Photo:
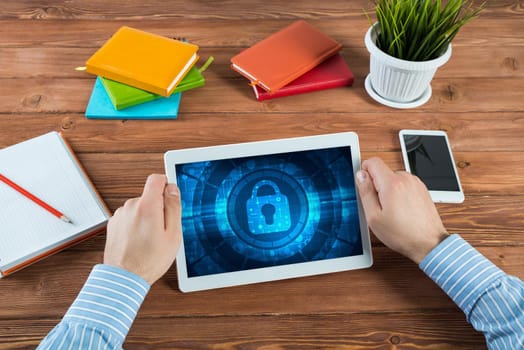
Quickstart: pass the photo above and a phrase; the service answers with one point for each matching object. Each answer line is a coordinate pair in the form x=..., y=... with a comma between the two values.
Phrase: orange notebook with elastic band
x=143, y=60
x=285, y=55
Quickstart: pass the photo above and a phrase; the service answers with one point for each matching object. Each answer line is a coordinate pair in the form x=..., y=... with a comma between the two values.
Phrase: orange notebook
x=285, y=55
x=144, y=60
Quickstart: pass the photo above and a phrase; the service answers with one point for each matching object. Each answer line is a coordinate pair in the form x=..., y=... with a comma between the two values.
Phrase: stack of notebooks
x=141, y=76
x=294, y=60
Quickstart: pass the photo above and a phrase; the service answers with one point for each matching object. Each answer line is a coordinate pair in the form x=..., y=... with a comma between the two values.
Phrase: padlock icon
x=268, y=213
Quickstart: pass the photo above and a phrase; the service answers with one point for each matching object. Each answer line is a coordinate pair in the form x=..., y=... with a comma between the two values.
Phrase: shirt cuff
x=109, y=300
x=460, y=270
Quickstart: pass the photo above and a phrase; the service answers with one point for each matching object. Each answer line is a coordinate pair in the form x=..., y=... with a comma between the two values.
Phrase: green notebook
x=124, y=96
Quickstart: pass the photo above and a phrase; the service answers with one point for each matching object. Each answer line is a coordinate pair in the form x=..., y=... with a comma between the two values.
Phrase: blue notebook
x=100, y=107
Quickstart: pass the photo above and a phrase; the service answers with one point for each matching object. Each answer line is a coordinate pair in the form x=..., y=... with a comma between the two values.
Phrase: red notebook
x=285, y=55
x=332, y=73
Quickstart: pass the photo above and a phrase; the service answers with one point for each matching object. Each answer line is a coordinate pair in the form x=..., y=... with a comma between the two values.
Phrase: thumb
x=368, y=194
x=172, y=210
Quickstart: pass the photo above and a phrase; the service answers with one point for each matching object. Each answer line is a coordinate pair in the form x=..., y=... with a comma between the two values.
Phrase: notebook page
x=44, y=167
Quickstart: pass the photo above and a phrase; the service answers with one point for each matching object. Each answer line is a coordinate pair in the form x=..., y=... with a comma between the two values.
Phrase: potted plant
x=409, y=41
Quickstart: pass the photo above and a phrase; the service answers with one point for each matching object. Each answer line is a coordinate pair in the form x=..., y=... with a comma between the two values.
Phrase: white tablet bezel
x=192, y=155
x=436, y=196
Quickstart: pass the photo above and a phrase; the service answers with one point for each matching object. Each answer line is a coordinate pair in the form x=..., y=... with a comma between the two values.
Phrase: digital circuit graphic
x=261, y=211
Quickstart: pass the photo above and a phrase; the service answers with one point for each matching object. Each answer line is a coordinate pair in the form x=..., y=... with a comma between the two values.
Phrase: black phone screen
x=430, y=159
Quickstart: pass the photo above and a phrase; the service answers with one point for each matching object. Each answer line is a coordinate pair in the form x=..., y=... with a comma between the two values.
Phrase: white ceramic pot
x=399, y=83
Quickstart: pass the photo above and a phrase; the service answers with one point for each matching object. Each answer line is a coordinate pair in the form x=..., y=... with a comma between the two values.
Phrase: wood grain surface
x=478, y=98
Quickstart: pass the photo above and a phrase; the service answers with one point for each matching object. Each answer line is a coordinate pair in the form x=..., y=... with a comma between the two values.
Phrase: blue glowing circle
x=298, y=205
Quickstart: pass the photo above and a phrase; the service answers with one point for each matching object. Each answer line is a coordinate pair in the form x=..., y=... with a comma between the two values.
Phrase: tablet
x=269, y=210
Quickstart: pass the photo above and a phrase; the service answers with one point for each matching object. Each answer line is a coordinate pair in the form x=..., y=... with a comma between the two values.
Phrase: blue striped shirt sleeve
x=492, y=301
x=103, y=312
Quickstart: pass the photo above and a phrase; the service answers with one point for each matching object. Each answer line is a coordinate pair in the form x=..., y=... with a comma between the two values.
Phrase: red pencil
x=35, y=199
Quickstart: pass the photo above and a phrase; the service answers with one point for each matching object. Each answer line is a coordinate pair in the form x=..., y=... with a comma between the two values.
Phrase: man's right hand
x=144, y=235
x=399, y=210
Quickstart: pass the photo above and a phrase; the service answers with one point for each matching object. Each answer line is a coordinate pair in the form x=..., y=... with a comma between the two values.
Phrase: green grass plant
x=420, y=30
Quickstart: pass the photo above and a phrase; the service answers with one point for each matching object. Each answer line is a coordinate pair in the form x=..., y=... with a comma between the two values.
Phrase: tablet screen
x=269, y=210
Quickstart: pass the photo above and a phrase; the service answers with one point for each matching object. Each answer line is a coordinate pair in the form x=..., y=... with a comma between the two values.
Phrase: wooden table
x=478, y=98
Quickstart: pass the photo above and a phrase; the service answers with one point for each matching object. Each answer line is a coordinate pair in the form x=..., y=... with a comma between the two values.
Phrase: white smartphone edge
x=436, y=196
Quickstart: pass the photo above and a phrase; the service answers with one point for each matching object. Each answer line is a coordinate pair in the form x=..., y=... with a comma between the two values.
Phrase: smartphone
x=427, y=154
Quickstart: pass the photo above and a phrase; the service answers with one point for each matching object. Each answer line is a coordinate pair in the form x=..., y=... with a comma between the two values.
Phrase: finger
x=153, y=194
x=368, y=195
x=130, y=203
x=117, y=211
x=172, y=207
x=172, y=211
x=380, y=173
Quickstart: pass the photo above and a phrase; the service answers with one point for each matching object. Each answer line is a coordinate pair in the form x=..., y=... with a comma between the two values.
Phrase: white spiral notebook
x=46, y=167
